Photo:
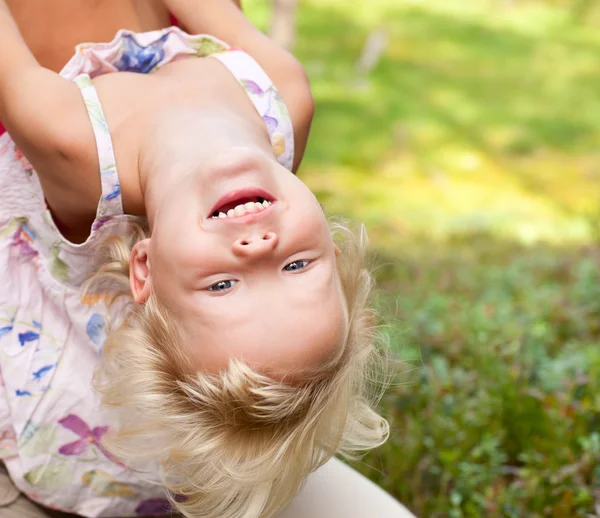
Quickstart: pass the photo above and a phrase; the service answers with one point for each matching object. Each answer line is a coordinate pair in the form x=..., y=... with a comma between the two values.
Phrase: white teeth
x=243, y=209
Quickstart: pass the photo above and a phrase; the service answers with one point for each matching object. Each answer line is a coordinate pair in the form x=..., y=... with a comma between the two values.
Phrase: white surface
x=337, y=491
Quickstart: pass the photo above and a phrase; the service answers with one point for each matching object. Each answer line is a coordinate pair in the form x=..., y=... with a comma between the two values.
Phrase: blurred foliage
x=472, y=152
x=498, y=414
x=477, y=117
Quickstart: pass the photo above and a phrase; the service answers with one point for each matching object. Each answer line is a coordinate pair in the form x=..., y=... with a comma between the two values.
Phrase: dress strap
x=266, y=99
x=110, y=202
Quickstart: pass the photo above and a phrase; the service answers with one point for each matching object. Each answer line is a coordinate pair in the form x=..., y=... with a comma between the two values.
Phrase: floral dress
x=51, y=422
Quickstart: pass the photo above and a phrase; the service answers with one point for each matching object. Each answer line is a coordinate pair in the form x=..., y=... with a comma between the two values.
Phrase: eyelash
x=233, y=281
x=306, y=263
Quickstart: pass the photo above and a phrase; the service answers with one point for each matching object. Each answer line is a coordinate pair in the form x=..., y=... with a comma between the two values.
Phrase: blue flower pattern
x=141, y=58
x=28, y=336
x=41, y=372
x=95, y=329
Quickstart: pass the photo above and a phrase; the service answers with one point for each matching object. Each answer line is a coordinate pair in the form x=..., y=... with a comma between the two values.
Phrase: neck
x=193, y=143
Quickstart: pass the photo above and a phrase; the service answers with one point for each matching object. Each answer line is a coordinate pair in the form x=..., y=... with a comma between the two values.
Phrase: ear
x=139, y=272
x=338, y=252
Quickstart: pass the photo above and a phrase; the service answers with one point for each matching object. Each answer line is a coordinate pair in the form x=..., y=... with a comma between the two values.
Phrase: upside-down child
x=160, y=165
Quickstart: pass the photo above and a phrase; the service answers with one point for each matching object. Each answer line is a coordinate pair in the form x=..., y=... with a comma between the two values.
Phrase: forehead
x=279, y=333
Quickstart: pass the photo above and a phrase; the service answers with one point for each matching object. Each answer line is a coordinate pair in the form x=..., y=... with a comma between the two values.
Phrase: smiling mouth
x=241, y=203
x=232, y=210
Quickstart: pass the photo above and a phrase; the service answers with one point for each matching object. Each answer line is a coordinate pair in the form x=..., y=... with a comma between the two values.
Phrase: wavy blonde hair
x=238, y=444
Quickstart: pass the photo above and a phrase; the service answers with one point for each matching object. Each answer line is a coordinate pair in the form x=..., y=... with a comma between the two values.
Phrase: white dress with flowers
x=51, y=423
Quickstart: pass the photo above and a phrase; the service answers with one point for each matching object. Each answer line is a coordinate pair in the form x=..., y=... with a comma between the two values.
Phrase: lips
x=241, y=202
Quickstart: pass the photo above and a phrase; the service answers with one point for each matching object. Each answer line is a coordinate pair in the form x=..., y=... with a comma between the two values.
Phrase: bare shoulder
x=290, y=78
x=293, y=83
x=224, y=20
x=131, y=103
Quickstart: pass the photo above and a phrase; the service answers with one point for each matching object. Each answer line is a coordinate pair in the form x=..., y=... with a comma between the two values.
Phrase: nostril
x=244, y=242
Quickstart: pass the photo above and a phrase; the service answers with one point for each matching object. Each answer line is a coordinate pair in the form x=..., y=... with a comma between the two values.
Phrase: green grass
x=471, y=151
x=498, y=413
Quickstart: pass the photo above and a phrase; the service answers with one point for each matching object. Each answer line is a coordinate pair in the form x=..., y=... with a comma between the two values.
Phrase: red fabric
x=173, y=21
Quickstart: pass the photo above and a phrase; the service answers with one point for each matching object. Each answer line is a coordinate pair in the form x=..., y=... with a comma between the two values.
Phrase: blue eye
x=222, y=285
x=296, y=265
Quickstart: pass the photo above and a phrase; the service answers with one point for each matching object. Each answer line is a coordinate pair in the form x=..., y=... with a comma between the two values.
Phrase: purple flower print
x=271, y=123
x=153, y=507
x=88, y=437
x=22, y=239
x=251, y=87
x=99, y=222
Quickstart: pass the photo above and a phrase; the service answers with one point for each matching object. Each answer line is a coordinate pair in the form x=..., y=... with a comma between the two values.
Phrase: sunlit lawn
x=472, y=152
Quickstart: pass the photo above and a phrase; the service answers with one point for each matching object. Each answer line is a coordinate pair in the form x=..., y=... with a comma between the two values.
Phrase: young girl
x=241, y=366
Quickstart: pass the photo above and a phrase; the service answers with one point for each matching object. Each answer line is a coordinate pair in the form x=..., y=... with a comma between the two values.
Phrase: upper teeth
x=243, y=208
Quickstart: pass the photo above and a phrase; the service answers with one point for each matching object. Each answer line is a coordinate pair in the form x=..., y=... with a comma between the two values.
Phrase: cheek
x=314, y=228
x=172, y=251
x=187, y=249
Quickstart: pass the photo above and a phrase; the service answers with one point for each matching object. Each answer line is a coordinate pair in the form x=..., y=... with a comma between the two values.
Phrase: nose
x=256, y=245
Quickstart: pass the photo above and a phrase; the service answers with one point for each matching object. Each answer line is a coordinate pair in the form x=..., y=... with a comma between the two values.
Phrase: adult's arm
x=40, y=109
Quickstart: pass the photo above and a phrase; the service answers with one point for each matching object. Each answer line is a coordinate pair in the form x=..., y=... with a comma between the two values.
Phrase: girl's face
x=256, y=282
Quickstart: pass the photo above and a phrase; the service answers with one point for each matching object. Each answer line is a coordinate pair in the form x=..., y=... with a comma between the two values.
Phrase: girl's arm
x=40, y=110
x=224, y=20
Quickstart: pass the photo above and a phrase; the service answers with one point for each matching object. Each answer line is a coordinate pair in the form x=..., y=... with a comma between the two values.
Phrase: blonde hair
x=238, y=444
